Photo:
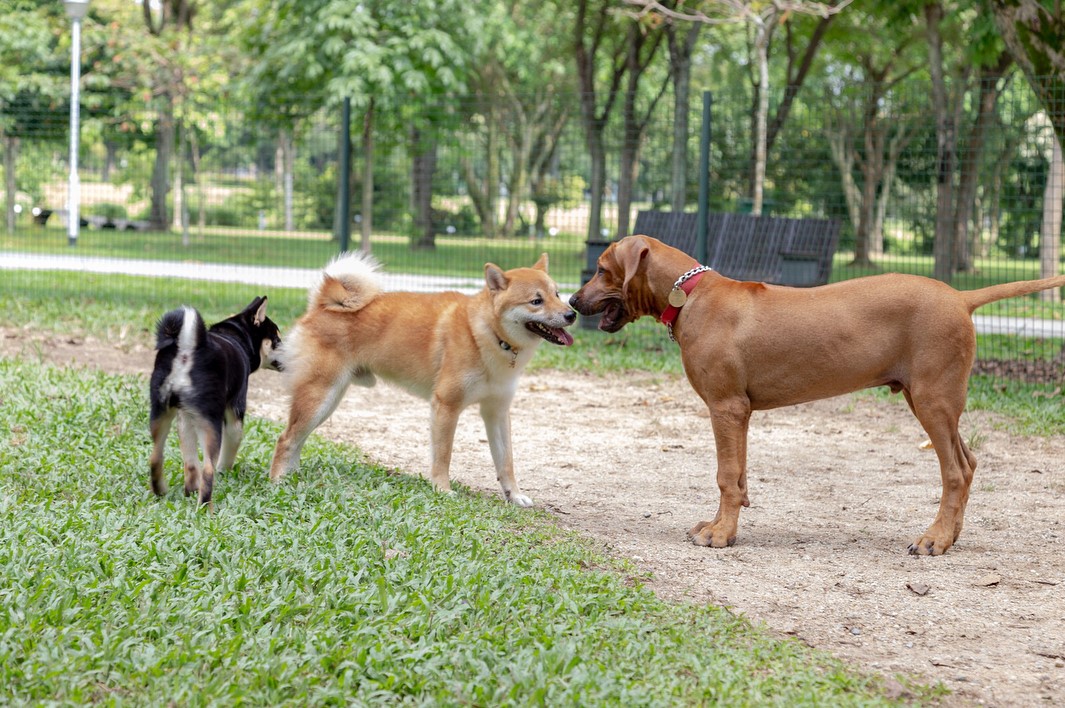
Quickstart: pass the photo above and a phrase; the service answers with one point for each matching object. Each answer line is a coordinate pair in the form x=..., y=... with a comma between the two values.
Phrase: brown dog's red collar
x=679, y=294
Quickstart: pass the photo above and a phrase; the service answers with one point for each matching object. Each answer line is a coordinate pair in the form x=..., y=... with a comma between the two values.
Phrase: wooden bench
x=771, y=249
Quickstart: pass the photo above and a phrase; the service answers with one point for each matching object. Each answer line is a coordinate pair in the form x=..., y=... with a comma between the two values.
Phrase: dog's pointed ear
x=257, y=308
x=542, y=263
x=631, y=253
x=495, y=278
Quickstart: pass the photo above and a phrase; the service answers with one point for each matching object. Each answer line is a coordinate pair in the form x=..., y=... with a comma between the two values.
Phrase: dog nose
x=571, y=317
x=573, y=300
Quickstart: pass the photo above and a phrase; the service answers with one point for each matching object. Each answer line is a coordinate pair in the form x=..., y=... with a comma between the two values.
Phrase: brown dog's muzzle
x=588, y=302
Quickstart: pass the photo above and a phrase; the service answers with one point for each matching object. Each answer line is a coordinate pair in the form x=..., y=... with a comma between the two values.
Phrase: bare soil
x=838, y=489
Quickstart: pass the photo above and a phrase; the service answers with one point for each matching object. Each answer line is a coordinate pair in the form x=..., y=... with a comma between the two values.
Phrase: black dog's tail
x=182, y=327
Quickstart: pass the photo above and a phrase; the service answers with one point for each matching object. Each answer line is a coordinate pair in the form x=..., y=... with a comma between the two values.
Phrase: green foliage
x=344, y=584
x=566, y=191
x=109, y=211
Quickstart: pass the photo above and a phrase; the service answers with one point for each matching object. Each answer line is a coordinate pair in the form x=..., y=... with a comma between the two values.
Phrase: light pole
x=76, y=10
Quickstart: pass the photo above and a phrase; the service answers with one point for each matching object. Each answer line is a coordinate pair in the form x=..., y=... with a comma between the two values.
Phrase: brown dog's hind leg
x=730, y=422
x=939, y=415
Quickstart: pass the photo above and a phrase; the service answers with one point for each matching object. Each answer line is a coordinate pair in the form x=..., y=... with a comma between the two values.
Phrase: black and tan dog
x=201, y=377
x=753, y=346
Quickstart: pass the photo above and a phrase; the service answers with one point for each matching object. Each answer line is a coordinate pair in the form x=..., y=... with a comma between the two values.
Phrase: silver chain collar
x=684, y=278
x=676, y=286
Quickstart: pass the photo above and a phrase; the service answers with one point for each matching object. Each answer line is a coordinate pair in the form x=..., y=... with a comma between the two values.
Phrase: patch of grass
x=459, y=256
x=343, y=585
x=1028, y=409
x=100, y=305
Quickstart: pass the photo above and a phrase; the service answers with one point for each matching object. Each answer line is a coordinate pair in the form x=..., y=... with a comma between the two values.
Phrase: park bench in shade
x=771, y=249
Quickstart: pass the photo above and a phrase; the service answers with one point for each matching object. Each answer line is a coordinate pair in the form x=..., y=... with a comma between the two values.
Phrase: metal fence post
x=701, y=237
x=344, y=179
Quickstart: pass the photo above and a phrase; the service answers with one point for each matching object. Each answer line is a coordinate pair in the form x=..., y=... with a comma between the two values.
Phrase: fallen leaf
x=989, y=580
x=918, y=588
x=926, y=445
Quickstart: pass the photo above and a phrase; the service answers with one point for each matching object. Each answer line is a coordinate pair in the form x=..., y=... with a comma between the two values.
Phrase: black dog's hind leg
x=232, y=435
x=188, y=433
x=160, y=423
x=211, y=438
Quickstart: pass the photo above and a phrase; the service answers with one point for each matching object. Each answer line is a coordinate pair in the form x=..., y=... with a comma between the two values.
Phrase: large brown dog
x=454, y=349
x=752, y=346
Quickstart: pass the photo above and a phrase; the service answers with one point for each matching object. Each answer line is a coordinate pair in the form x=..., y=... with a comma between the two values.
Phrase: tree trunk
x=887, y=180
x=946, y=144
x=366, y=225
x=518, y=184
x=181, y=211
x=680, y=63
x=179, y=186
x=286, y=146
x=201, y=188
x=10, y=182
x=843, y=155
x=642, y=47
x=872, y=169
x=164, y=148
x=423, y=165
x=989, y=91
x=110, y=157
x=1050, y=235
x=629, y=162
x=593, y=121
x=761, y=48
x=596, y=182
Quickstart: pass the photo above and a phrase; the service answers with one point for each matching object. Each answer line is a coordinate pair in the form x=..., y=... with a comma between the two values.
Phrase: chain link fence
x=437, y=189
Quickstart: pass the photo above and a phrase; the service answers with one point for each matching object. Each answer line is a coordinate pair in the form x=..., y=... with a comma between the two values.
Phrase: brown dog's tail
x=348, y=283
x=983, y=296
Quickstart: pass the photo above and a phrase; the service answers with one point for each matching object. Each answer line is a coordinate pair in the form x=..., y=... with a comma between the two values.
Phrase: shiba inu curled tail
x=454, y=350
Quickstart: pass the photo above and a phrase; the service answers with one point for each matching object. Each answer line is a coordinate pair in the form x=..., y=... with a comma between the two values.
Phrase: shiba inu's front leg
x=445, y=415
x=496, y=416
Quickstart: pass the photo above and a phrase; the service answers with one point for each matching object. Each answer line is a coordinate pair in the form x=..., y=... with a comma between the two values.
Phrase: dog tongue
x=566, y=337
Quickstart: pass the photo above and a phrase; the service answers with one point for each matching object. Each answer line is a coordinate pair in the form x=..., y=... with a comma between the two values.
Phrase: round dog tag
x=677, y=297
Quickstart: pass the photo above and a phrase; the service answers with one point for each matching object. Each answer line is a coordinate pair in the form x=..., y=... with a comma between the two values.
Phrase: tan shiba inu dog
x=453, y=349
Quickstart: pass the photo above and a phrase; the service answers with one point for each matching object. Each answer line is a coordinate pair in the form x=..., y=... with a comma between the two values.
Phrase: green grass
x=343, y=585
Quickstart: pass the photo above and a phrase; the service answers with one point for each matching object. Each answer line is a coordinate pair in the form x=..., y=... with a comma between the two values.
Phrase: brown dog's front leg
x=730, y=422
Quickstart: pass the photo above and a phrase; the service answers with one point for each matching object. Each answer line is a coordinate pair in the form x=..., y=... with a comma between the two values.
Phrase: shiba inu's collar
x=507, y=347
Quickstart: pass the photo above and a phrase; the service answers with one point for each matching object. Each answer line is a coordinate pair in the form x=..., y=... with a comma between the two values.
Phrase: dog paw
x=712, y=534
x=928, y=546
x=520, y=500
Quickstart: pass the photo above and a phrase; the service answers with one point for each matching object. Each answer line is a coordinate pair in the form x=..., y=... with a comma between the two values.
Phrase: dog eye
x=538, y=300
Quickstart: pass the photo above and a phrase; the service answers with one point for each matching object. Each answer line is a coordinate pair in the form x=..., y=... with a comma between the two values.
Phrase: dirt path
x=838, y=489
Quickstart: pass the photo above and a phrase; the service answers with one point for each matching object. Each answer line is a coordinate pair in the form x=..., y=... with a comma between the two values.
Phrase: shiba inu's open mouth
x=551, y=334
